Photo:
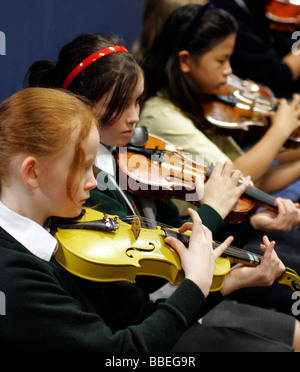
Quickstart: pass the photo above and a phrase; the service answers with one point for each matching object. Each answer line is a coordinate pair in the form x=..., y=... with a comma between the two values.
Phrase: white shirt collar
x=105, y=161
x=27, y=232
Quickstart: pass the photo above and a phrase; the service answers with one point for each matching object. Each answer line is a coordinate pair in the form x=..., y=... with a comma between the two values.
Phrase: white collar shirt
x=30, y=234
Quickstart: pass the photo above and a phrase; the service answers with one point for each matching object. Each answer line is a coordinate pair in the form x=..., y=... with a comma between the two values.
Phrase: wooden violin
x=103, y=248
x=159, y=170
x=247, y=87
x=284, y=15
x=243, y=107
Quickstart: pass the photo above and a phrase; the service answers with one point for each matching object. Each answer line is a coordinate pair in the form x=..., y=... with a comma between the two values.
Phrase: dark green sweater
x=47, y=309
x=111, y=202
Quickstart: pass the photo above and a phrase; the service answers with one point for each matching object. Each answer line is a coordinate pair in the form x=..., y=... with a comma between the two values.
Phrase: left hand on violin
x=223, y=190
x=199, y=259
x=287, y=217
x=286, y=119
x=264, y=275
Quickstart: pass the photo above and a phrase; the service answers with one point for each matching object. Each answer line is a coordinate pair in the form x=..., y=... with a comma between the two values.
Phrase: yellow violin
x=103, y=248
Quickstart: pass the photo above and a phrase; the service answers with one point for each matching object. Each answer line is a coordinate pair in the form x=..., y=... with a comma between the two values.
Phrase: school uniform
x=162, y=118
x=48, y=309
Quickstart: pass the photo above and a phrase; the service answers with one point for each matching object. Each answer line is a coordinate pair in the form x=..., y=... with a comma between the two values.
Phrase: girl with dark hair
x=116, y=128
x=119, y=70
x=115, y=86
x=197, y=63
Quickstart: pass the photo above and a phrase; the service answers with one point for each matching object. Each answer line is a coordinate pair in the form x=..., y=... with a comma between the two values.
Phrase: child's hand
x=199, y=259
x=288, y=217
x=286, y=119
x=263, y=275
x=221, y=191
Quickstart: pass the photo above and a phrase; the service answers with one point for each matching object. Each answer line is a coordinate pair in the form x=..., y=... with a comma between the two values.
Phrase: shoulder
x=14, y=256
x=158, y=110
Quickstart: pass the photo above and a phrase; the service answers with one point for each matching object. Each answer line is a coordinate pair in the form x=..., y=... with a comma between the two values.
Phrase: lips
x=128, y=133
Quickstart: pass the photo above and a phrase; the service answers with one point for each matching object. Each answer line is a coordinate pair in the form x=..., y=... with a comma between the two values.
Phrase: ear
x=184, y=58
x=29, y=171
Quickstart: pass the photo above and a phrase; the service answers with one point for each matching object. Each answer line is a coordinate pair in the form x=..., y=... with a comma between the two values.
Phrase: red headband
x=94, y=57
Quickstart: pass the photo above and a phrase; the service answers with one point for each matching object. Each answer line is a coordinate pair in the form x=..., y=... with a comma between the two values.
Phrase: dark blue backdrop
x=37, y=29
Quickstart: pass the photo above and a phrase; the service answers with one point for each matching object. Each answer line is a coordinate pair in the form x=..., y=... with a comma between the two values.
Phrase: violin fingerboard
x=175, y=234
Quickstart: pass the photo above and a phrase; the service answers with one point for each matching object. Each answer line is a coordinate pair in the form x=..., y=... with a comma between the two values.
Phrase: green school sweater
x=48, y=309
x=111, y=202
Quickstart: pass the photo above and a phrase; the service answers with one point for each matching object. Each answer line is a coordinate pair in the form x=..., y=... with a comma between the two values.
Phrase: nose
x=91, y=182
x=133, y=114
x=228, y=69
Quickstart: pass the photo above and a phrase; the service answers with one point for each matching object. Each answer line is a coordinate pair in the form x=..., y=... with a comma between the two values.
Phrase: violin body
x=167, y=172
x=163, y=173
x=117, y=251
x=243, y=107
x=247, y=87
x=122, y=253
x=284, y=14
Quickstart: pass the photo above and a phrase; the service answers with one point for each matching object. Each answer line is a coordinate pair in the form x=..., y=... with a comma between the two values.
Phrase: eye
x=139, y=100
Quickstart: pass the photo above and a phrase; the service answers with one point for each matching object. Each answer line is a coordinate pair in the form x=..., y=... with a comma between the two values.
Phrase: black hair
x=118, y=70
x=162, y=68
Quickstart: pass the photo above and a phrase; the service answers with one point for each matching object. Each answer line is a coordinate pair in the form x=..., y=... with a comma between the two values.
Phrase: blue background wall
x=38, y=29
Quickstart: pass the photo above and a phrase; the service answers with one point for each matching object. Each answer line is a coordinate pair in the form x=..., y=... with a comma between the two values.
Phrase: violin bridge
x=136, y=226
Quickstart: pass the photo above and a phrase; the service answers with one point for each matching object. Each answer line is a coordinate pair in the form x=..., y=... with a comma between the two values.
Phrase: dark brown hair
x=118, y=70
x=162, y=68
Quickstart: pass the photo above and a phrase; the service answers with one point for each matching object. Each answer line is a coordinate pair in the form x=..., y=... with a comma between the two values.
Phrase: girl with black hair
x=197, y=63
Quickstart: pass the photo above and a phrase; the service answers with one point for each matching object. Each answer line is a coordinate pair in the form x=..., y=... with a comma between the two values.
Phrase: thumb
x=176, y=244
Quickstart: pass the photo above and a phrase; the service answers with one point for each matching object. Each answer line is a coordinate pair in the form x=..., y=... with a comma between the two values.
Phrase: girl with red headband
x=114, y=84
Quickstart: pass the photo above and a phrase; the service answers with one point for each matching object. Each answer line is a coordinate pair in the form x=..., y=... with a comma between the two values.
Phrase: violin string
x=239, y=253
x=215, y=244
x=261, y=195
x=251, y=191
x=231, y=251
x=145, y=219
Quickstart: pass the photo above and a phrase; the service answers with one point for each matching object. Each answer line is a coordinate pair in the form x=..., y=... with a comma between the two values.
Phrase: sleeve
x=169, y=214
x=242, y=233
x=109, y=202
x=44, y=315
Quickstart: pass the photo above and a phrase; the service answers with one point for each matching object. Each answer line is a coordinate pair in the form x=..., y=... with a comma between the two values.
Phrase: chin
x=76, y=212
x=123, y=143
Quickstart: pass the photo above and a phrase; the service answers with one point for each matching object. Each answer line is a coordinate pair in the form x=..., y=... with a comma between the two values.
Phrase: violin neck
x=254, y=194
x=261, y=197
x=236, y=255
